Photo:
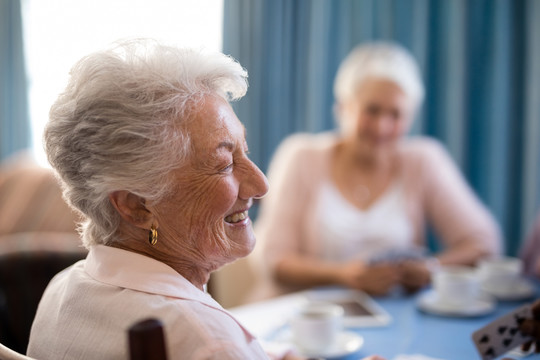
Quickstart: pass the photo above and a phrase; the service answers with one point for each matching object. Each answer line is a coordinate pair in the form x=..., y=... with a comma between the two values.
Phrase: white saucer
x=347, y=343
x=521, y=291
x=430, y=302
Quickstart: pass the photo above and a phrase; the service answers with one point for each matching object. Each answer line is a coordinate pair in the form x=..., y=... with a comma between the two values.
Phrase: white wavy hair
x=381, y=60
x=120, y=124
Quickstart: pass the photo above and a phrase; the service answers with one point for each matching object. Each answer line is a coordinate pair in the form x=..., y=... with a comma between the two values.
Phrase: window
x=59, y=32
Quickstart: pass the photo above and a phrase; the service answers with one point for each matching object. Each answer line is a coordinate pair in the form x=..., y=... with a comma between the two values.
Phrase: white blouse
x=348, y=233
x=87, y=309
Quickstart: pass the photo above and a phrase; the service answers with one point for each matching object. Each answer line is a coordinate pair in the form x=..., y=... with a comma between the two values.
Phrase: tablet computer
x=361, y=310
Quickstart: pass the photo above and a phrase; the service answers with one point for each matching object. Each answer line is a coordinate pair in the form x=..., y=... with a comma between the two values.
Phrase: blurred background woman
x=351, y=208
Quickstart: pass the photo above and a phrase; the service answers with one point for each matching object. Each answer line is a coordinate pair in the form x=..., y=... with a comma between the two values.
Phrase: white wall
x=59, y=32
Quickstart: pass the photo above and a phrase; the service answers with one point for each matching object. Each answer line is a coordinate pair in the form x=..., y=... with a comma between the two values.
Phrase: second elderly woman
x=351, y=207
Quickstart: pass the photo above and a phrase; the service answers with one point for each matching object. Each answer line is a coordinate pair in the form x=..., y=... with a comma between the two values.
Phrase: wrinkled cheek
x=213, y=229
x=207, y=220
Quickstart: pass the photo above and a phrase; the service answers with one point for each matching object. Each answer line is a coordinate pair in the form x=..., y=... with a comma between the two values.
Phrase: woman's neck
x=363, y=178
x=135, y=240
x=366, y=161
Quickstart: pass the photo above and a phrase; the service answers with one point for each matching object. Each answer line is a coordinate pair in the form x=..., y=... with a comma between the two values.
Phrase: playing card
x=502, y=335
x=397, y=255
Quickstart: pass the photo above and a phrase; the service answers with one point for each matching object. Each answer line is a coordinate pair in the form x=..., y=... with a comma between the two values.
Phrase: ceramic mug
x=457, y=286
x=500, y=274
x=316, y=326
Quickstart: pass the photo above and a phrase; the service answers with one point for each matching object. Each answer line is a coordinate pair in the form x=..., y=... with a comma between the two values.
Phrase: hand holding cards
x=503, y=334
x=396, y=256
x=412, y=264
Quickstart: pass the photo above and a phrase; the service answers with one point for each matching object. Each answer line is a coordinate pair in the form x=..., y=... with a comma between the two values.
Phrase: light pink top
x=87, y=309
x=434, y=190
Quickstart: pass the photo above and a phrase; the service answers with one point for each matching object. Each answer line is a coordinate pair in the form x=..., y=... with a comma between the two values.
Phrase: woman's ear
x=131, y=208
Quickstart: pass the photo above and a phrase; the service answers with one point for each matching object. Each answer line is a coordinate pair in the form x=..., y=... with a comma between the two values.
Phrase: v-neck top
x=347, y=232
x=87, y=309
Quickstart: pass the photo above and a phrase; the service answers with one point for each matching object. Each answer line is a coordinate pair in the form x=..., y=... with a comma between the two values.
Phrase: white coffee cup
x=457, y=286
x=500, y=274
x=316, y=326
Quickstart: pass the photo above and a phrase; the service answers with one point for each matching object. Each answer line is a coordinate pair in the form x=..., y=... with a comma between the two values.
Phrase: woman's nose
x=384, y=125
x=256, y=183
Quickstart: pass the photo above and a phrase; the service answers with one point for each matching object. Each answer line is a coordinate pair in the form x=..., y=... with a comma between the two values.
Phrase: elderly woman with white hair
x=150, y=152
x=351, y=208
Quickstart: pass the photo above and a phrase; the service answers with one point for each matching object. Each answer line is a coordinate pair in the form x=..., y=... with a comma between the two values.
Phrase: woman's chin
x=242, y=240
x=245, y=248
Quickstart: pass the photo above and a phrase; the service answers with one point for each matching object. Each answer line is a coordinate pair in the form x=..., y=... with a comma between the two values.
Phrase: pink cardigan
x=435, y=191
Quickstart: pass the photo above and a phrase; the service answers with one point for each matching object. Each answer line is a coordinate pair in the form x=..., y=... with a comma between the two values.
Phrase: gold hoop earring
x=152, y=235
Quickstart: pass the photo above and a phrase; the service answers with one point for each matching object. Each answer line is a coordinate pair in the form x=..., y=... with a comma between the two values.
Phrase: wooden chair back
x=147, y=340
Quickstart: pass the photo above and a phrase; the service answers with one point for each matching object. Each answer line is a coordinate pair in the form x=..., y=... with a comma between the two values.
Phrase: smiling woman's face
x=206, y=216
x=376, y=118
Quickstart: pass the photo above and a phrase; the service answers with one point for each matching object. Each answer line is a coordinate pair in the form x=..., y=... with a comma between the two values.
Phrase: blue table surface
x=410, y=332
x=415, y=332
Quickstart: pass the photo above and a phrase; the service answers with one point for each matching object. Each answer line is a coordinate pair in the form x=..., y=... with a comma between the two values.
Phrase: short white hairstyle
x=379, y=60
x=120, y=124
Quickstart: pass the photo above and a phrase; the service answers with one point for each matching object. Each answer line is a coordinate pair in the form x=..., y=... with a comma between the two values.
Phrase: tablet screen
x=354, y=308
x=360, y=309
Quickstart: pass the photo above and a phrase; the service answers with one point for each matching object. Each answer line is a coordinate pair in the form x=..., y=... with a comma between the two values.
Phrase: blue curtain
x=14, y=121
x=481, y=66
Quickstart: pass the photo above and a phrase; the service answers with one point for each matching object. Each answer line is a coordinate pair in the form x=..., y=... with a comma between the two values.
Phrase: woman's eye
x=227, y=168
x=372, y=110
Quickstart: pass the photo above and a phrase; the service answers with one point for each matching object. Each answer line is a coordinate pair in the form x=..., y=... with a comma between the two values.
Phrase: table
x=410, y=332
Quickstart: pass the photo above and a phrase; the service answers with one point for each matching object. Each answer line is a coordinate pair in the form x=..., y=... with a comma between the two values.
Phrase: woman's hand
x=531, y=327
x=414, y=275
x=375, y=280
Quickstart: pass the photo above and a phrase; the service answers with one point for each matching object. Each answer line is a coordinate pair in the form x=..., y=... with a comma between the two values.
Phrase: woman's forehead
x=215, y=126
x=378, y=85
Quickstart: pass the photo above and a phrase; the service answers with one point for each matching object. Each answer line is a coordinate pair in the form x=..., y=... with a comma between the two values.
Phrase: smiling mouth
x=234, y=218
